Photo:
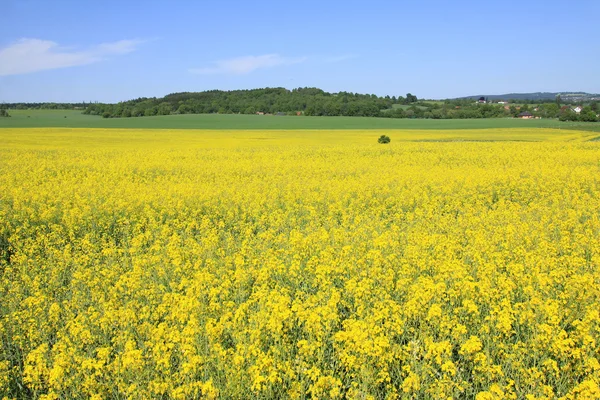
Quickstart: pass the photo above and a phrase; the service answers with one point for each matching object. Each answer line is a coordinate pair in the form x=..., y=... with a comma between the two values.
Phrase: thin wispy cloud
x=247, y=64
x=32, y=55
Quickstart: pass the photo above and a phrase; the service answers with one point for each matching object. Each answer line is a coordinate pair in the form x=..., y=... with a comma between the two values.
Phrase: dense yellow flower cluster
x=246, y=265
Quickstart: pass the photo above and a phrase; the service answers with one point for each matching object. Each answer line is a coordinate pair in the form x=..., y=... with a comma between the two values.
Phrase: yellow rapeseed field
x=300, y=264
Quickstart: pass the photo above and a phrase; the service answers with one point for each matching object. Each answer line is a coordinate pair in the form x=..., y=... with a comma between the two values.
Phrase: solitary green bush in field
x=383, y=139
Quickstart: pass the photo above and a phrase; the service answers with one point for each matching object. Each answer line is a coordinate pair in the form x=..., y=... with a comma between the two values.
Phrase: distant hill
x=565, y=96
x=265, y=101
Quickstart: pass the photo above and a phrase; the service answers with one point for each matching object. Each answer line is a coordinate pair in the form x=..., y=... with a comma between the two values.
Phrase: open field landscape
x=316, y=201
x=454, y=263
x=75, y=119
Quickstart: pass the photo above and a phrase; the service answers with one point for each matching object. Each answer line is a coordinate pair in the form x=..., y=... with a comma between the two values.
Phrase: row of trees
x=309, y=101
x=466, y=110
x=45, y=106
x=316, y=102
x=462, y=109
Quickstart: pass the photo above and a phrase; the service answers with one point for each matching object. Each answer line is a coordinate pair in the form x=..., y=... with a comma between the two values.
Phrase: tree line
x=45, y=106
x=316, y=102
x=464, y=109
x=307, y=101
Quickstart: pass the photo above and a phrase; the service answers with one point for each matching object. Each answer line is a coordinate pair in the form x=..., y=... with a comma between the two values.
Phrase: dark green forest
x=316, y=102
x=304, y=101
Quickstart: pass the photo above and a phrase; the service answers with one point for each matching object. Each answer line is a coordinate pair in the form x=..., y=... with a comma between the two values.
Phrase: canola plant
x=166, y=264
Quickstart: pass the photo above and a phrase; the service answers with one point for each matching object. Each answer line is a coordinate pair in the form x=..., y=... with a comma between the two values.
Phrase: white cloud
x=120, y=47
x=245, y=65
x=32, y=55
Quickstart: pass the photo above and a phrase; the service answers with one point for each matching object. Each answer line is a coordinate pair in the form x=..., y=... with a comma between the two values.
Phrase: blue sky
x=117, y=50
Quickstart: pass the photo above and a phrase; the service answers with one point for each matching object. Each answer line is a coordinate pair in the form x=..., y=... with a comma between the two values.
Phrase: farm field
x=149, y=263
x=75, y=119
